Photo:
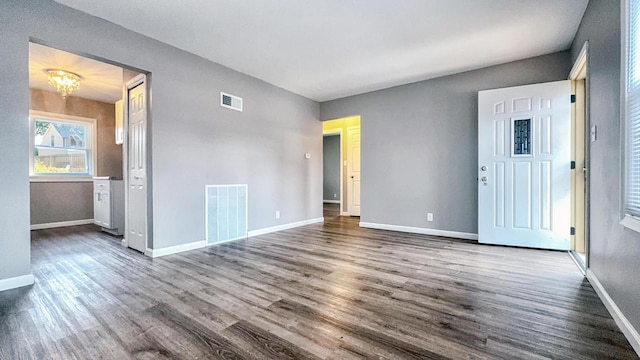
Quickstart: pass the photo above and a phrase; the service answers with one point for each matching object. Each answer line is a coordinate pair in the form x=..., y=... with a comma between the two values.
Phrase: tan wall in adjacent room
x=67, y=201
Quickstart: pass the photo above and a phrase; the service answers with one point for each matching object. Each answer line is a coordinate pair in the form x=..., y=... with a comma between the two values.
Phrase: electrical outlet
x=429, y=216
x=277, y=214
x=335, y=195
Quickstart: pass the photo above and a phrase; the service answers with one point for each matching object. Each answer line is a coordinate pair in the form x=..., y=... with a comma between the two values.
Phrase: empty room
x=321, y=179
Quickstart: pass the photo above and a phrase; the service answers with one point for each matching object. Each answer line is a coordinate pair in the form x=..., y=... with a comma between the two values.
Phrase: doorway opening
x=580, y=164
x=344, y=199
x=81, y=148
x=331, y=173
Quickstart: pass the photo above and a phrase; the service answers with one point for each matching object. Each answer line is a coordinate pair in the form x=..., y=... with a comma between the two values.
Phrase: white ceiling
x=327, y=49
x=100, y=81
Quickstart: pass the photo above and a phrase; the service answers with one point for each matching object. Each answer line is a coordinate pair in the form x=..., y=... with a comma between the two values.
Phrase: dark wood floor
x=332, y=291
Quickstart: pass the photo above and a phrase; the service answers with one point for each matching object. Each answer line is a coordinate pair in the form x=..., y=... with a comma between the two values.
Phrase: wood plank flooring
x=324, y=291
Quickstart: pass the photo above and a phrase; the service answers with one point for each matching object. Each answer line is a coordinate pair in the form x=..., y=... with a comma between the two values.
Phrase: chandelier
x=65, y=82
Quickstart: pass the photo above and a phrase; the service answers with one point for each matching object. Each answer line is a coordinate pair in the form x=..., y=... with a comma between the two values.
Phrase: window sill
x=631, y=222
x=59, y=179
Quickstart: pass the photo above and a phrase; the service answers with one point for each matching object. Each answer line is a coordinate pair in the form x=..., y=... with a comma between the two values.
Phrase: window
x=521, y=144
x=61, y=146
x=631, y=113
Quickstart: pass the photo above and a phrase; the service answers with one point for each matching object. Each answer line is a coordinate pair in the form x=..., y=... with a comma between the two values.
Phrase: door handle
x=484, y=179
x=352, y=177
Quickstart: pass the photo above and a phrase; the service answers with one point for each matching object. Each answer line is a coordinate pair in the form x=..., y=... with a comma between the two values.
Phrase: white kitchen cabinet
x=108, y=204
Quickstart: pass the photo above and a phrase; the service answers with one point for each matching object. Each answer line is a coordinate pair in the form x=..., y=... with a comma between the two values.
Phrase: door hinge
x=573, y=230
x=573, y=99
x=573, y=165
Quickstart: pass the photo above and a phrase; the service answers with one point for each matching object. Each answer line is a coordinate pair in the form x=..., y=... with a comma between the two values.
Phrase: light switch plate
x=594, y=131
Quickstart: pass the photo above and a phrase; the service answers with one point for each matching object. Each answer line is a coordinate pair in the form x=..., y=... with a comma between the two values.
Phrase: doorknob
x=484, y=179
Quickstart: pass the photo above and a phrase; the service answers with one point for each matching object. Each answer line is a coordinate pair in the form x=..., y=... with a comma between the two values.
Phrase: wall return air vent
x=225, y=213
x=230, y=101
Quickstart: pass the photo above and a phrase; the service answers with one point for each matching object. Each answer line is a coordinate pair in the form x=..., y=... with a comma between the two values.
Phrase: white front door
x=524, y=176
x=353, y=161
x=136, y=166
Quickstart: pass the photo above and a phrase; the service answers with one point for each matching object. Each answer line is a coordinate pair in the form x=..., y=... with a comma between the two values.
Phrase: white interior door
x=136, y=168
x=524, y=176
x=353, y=161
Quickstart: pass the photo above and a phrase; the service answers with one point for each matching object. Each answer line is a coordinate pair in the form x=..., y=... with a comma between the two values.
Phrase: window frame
x=626, y=219
x=91, y=148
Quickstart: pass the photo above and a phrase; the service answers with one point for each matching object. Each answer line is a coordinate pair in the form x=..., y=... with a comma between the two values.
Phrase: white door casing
x=353, y=170
x=524, y=182
x=136, y=164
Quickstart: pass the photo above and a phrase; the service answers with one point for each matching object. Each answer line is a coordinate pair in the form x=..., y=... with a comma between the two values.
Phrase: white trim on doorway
x=131, y=84
x=581, y=62
x=351, y=208
x=580, y=71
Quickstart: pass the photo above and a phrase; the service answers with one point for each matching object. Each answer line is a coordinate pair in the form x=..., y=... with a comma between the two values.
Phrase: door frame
x=338, y=132
x=140, y=79
x=349, y=165
x=581, y=67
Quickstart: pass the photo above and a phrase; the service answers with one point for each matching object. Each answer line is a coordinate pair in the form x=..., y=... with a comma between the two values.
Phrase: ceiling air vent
x=230, y=101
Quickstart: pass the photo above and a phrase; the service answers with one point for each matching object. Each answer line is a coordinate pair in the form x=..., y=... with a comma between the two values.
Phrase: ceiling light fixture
x=65, y=82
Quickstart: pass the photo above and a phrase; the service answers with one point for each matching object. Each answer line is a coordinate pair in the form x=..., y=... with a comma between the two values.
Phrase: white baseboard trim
x=16, y=282
x=418, y=230
x=623, y=323
x=61, y=224
x=154, y=253
x=284, y=227
x=125, y=243
x=331, y=201
x=574, y=257
x=344, y=213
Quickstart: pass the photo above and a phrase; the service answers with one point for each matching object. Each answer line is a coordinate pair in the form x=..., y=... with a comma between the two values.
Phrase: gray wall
x=193, y=140
x=331, y=168
x=15, y=249
x=419, y=143
x=67, y=201
x=61, y=201
x=614, y=250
